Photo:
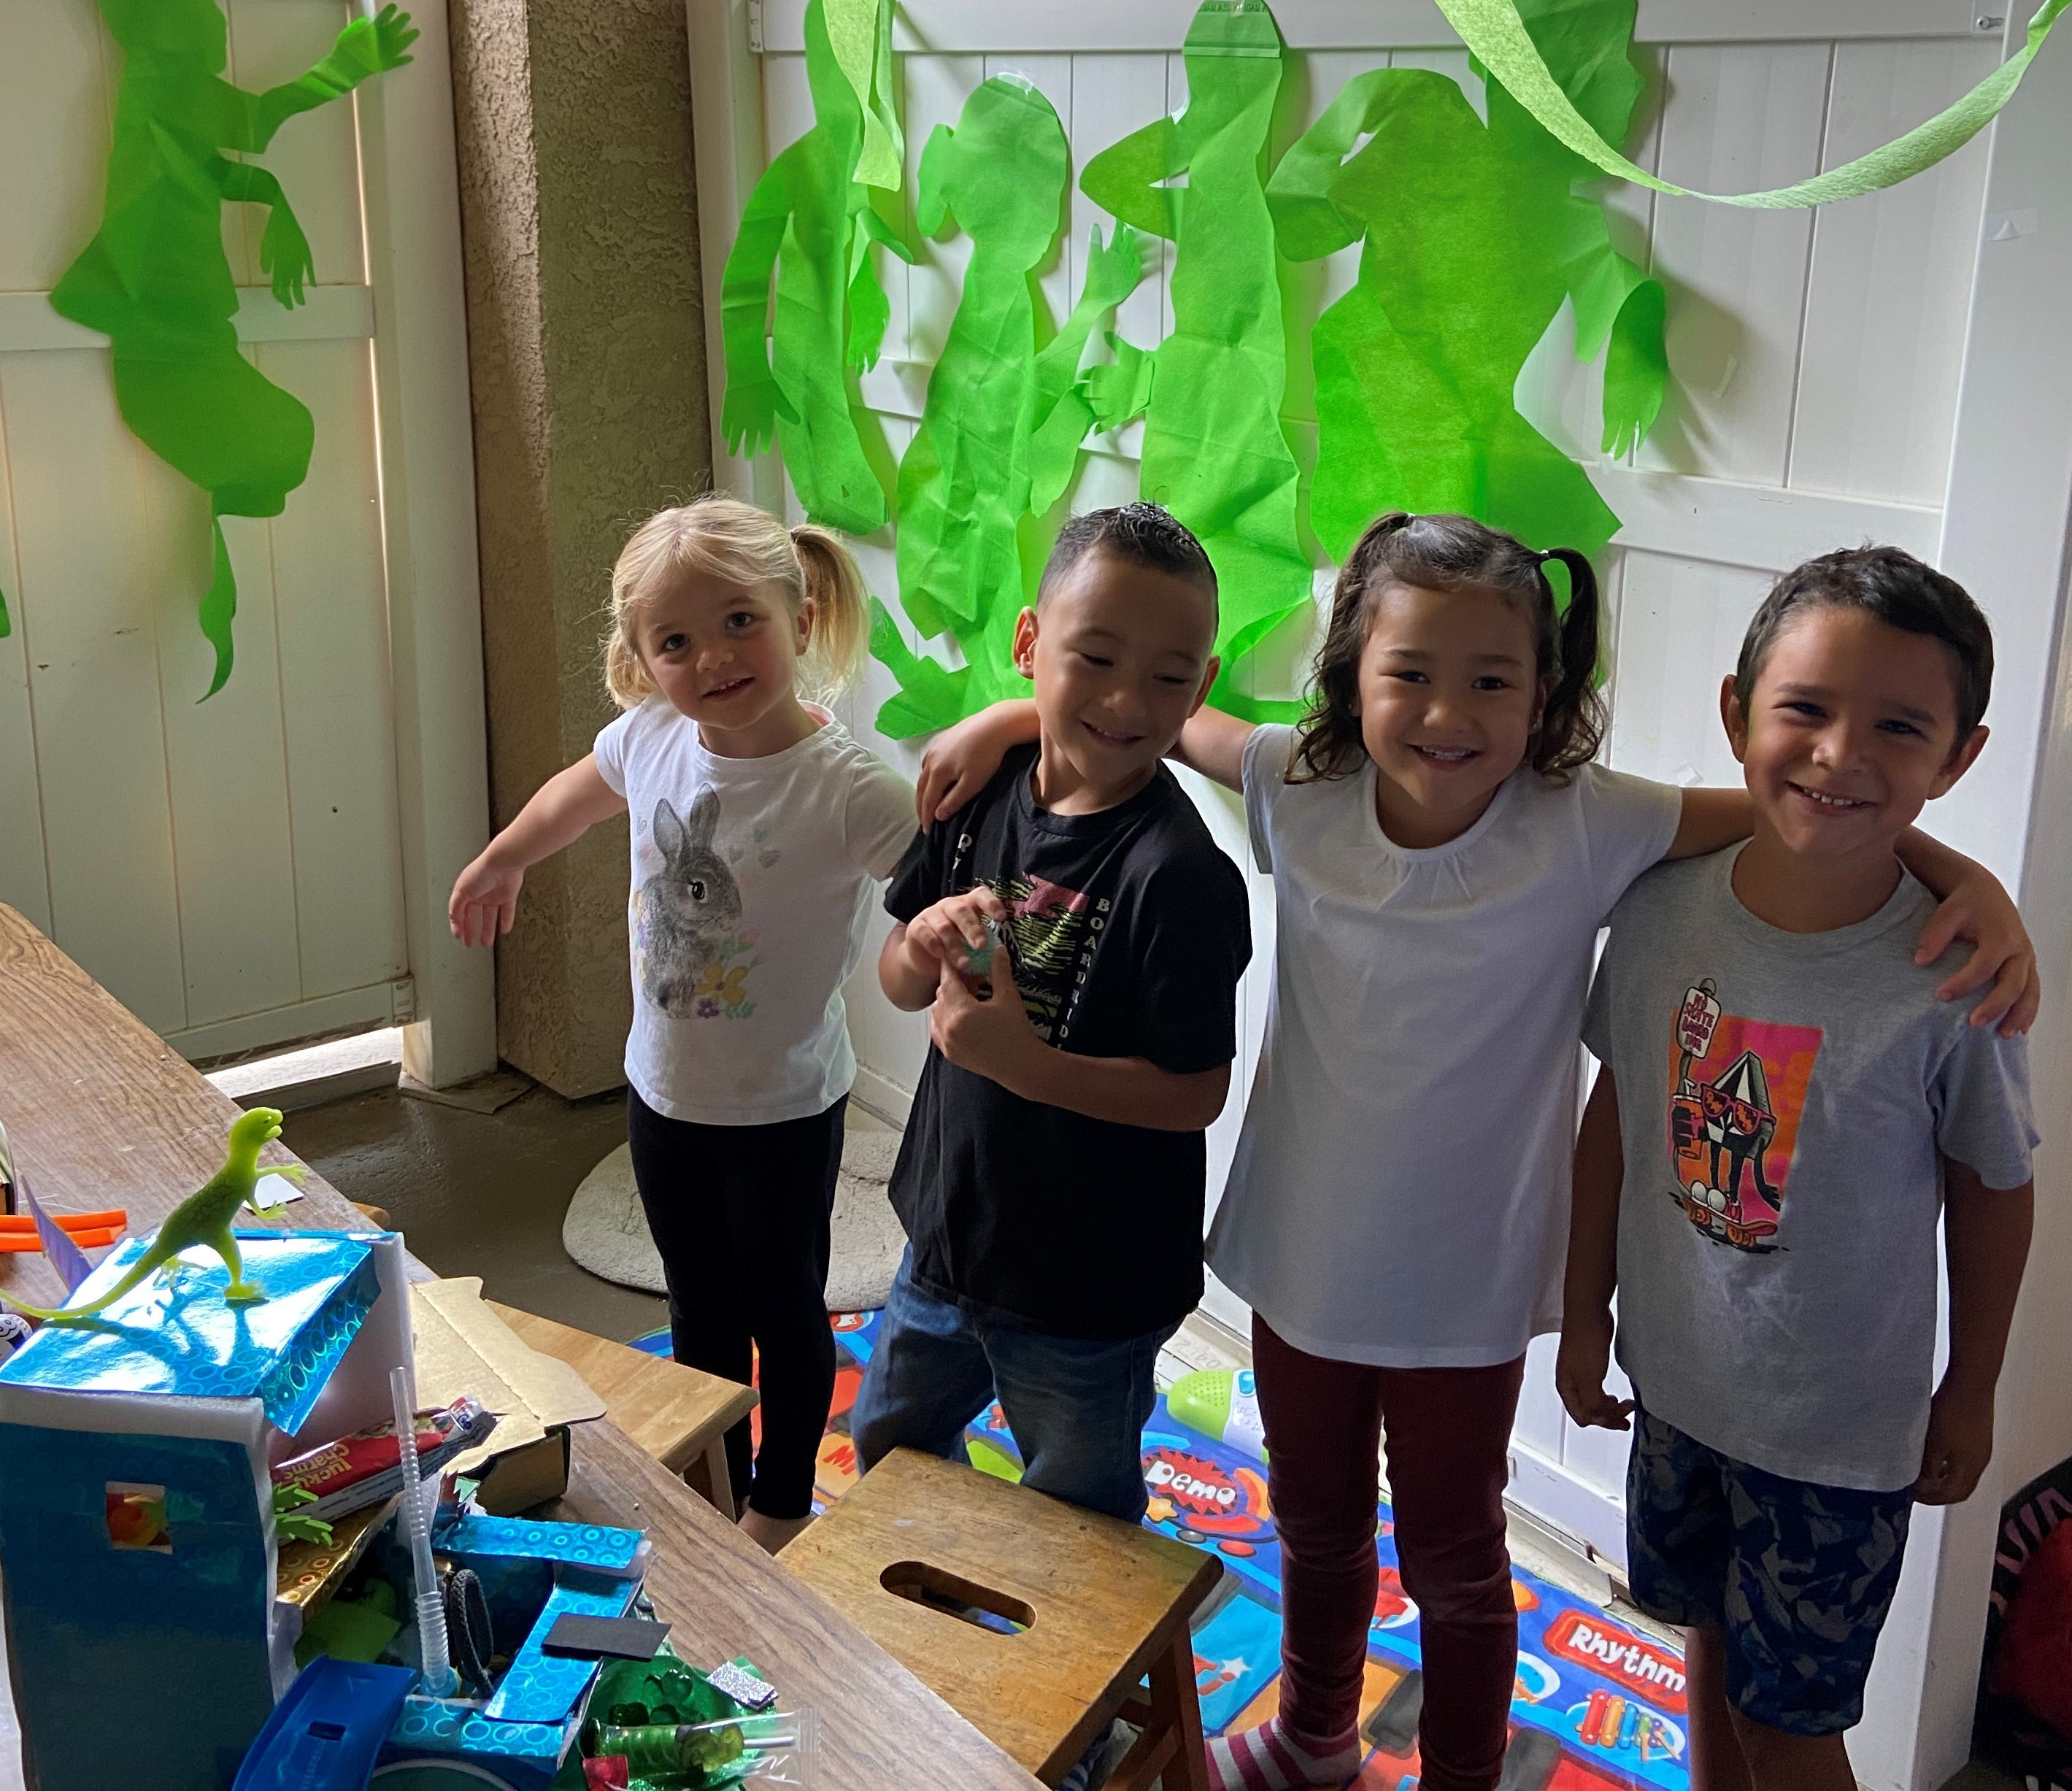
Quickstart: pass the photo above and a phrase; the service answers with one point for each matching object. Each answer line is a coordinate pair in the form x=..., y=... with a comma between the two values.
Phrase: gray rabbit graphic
x=686, y=912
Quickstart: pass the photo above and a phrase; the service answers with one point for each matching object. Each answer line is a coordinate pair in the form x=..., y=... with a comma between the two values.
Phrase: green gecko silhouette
x=1211, y=393
x=1000, y=432
x=1473, y=237
x=811, y=220
x=205, y=1217
x=155, y=279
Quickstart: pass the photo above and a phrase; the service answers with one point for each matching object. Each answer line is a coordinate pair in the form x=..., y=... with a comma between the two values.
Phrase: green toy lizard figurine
x=205, y=1217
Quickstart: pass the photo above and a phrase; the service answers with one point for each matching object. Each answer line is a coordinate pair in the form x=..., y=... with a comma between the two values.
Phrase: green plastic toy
x=1000, y=430
x=155, y=279
x=1210, y=394
x=1473, y=238
x=204, y=1218
x=813, y=222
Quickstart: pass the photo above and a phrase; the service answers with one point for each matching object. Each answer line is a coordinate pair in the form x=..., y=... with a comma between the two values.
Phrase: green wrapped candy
x=688, y=1751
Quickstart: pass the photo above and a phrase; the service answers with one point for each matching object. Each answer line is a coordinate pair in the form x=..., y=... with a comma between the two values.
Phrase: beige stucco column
x=586, y=355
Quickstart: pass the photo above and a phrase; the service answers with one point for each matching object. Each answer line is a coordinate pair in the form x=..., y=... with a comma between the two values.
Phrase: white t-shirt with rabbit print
x=752, y=887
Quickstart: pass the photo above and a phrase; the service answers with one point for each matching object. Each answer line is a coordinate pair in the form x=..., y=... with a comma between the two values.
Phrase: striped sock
x=1269, y=1758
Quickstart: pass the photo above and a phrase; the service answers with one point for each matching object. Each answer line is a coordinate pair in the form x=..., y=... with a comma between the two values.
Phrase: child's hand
x=960, y=761
x=484, y=901
x=1960, y=1444
x=1979, y=908
x=947, y=935
x=1580, y=1369
x=991, y=1038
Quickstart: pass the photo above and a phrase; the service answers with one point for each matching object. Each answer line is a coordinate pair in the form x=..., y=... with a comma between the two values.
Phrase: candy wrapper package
x=662, y=1725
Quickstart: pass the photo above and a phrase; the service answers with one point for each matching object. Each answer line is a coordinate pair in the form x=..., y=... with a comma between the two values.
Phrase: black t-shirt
x=1130, y=931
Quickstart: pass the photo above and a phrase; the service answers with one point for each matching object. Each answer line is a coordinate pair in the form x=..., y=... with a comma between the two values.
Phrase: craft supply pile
x=222, y=1568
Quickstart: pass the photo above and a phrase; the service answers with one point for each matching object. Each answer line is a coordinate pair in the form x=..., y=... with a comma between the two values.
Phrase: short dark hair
x=1890, y=584
x=1455, y=553
x=1143, y=534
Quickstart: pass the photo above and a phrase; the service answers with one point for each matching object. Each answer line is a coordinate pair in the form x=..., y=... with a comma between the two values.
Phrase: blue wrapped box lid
x=174, y=1337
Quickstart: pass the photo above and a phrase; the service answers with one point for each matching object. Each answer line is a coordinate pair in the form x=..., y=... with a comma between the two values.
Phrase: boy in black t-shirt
x=1051, y=1178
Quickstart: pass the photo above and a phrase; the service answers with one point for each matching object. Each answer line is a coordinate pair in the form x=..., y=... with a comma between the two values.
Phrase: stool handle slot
x=921, y=1582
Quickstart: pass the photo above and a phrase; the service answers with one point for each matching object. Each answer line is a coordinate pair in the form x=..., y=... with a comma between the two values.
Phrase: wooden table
x=100, y=1111
x=678, y=1414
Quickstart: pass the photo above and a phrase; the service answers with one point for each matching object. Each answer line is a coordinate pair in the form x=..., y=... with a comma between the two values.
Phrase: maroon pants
x=1449, y=1432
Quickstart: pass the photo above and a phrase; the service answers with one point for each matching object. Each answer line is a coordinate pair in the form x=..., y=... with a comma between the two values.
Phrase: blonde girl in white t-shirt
x=1444, y=851
x=759, y=830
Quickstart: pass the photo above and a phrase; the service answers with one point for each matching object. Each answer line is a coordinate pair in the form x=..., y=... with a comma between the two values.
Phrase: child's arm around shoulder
x=960, y=761
x=1586, y=1355
x=484, y=901
x=1973, y=905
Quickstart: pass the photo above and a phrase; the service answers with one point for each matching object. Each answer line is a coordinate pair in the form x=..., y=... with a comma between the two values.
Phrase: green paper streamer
x=1499, y=36
x=860, y=33
x=1210, y=394
x=1473, y=237
x=1001, y=429
x=812, y=223
x=155, y=279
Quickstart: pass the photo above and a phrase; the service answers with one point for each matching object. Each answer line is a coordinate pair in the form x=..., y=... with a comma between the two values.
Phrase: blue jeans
x=1077, y=1407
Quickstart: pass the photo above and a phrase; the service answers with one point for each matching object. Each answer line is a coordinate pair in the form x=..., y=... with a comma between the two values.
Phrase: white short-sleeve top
x=1400, y=1195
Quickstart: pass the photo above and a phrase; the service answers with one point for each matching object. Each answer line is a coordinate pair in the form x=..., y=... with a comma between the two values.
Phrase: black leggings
x=740, y=1215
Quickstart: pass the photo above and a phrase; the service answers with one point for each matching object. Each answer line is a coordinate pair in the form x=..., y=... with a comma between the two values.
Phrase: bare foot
x=772, y=1533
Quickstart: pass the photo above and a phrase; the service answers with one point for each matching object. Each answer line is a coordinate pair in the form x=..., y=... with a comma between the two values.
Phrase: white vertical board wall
x=1818, y=358
x=234, y=871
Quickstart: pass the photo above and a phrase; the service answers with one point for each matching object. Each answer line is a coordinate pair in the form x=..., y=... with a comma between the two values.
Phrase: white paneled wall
x=231, y=870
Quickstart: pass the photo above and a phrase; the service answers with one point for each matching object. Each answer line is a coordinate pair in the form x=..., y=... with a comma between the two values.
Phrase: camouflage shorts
x=1797, y=1577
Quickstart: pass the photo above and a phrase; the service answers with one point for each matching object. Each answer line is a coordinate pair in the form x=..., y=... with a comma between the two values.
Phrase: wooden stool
x=679, y=1415
x=1103, y=1602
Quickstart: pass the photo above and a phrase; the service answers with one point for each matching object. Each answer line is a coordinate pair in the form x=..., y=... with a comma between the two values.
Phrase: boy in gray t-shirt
x=1784, y=1111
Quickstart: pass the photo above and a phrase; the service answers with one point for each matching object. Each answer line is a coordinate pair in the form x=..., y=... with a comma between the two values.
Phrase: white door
x=233, y=870
x=1816, y=357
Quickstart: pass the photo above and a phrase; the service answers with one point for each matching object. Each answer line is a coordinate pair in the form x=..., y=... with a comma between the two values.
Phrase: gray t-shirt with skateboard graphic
x=1785, y=1100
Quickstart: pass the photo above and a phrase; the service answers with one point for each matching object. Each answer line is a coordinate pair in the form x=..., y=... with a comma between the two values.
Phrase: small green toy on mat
x=205, y=1217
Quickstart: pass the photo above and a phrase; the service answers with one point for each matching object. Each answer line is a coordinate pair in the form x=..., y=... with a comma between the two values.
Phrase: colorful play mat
x=1598, y=1703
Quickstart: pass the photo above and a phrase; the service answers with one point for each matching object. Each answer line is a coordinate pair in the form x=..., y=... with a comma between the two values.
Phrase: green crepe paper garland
x=155, y=279
x=1498, y=36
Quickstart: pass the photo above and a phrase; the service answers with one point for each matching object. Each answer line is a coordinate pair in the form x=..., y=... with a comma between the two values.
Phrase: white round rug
x=605, y=1231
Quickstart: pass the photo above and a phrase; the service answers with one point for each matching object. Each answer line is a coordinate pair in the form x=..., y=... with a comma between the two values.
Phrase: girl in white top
x=758, y=829
x=1443, y=852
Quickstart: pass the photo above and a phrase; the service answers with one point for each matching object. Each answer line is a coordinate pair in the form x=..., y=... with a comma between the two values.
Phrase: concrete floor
x=482, y=1194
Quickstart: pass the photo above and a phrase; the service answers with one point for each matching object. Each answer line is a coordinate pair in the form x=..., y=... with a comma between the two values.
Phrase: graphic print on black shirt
x=1127, y=932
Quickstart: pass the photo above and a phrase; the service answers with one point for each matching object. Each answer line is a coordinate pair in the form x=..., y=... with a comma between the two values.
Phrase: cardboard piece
x=463, y=1347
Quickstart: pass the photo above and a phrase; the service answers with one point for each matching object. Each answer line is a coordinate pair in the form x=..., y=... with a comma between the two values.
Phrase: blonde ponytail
x=841, y=618
x=727, y=539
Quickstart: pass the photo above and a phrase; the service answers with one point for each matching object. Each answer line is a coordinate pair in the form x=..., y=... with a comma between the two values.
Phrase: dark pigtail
x=1571, y=725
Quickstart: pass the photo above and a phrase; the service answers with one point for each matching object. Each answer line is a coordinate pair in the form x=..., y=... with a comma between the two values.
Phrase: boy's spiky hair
x=1143, y=534
x=1890, y=584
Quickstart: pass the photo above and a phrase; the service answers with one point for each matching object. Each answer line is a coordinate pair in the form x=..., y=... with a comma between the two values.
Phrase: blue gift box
x=137, y=1541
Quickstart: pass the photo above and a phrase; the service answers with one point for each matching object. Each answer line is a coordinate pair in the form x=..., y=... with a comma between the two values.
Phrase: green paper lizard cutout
x=1001, y=429
x=1210, y=394
x=155, y=279
x=813, y=222
x=1473, y=237
x=204, y=1218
